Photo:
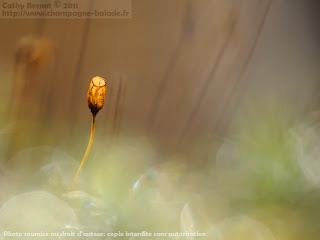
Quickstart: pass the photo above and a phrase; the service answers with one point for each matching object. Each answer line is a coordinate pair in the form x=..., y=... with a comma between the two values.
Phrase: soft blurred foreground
x=256, y=184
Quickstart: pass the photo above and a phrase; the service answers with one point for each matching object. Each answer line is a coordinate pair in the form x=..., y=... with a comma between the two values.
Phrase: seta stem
x=75, y=179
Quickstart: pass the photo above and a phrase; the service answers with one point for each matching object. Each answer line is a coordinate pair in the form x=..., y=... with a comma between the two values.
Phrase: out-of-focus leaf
x=93, y=213
x=60, y=170
x=243, y=228
x=37, y=211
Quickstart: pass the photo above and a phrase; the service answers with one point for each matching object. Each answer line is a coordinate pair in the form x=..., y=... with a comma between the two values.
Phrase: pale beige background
x=187, y=68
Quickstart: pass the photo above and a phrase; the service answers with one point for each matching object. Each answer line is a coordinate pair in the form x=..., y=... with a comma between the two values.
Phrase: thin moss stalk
x=95, y=97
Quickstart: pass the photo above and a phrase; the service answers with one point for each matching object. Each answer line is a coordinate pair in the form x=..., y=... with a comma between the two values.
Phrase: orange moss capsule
x=96, y=94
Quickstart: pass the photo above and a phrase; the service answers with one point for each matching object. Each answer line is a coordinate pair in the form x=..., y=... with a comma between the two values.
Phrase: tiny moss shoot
x=96, y=95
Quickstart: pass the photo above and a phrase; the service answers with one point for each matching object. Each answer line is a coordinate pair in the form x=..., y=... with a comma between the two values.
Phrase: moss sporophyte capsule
x=96, y=94
x=95, y=98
